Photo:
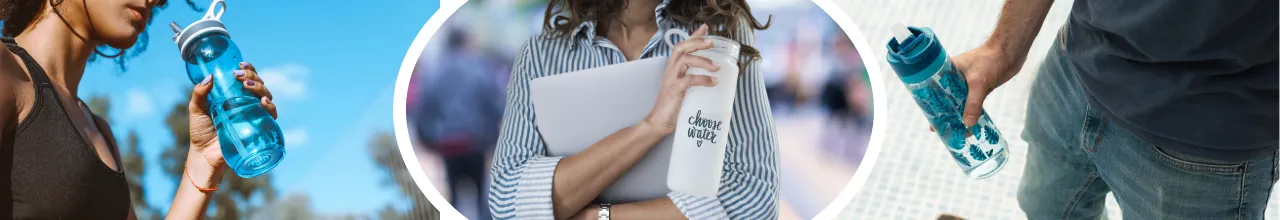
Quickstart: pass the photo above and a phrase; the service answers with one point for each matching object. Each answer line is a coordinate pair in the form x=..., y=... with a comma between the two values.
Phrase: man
x=1170, y=105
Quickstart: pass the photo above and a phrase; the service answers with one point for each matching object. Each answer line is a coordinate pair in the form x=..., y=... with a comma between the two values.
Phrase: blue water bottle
x=251, y=140
x=940, y=90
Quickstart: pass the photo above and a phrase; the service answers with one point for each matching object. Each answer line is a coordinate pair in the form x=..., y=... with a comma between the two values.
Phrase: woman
x=527, y=183
x=64, y=160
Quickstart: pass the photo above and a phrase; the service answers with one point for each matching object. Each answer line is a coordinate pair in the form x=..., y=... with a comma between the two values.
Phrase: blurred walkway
x=811, y=177
x=913, y=177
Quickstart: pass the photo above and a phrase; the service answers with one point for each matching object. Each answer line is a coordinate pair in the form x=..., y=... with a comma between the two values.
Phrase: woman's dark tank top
x=53, y=172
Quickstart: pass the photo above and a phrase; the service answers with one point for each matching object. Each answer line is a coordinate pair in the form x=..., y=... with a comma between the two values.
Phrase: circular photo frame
x=799, y=143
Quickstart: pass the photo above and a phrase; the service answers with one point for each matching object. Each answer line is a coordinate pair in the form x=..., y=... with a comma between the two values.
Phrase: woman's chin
x=121, y=42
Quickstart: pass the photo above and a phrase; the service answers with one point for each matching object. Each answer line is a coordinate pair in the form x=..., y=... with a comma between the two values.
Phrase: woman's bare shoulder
x=12, y=72
x=14, y=82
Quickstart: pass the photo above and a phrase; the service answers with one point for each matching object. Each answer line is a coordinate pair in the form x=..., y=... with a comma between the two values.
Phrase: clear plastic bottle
x=702, y=127
x=252, y=143
x=940, y=90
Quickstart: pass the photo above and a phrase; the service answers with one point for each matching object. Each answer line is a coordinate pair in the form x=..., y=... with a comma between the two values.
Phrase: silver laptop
x=575, y=110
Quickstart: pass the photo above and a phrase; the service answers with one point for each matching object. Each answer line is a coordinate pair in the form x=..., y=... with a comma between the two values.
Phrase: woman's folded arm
x=526, y=183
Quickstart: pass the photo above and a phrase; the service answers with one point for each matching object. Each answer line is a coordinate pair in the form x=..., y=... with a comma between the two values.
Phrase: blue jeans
x=1076, y=156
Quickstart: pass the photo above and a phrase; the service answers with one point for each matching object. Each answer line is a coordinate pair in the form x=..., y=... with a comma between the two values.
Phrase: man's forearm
x=1016, y=29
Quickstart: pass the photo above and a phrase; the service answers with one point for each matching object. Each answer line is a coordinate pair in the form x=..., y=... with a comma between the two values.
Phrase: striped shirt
x=522, y=172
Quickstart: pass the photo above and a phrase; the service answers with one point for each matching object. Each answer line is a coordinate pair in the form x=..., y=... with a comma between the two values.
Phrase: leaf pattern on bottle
x=964, y=162
x=953, y=81
x=977, y=153
x=955, y=140
x=993, y=136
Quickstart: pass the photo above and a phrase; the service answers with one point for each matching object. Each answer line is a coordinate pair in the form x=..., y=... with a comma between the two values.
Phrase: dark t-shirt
x=1192, y=76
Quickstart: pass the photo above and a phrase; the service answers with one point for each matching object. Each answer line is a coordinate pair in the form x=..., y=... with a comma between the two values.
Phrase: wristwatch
x=604, y=211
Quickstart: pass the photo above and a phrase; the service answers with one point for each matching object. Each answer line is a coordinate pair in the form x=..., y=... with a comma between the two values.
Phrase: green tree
x=290, y=207
x=135, y=165
x=101, y=106
x=232, y=201
x=296, y=206
x=385, y=153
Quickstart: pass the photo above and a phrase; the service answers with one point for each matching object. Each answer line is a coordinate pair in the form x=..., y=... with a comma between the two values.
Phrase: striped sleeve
x=749, y=185
x=522, y=173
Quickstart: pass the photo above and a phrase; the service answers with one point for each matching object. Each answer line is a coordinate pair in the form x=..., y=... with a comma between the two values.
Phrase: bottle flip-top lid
x=914, y=53
x=210, y=23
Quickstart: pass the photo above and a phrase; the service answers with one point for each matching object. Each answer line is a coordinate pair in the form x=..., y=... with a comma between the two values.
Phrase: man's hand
x=984, y=68
x=997, y=60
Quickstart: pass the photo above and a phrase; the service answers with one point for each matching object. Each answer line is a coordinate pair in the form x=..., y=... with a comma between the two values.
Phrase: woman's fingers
x=702, y=31
x=680, y=59
x=694, y=43
x=270, y=106
x=248, y=75
x=247, y=72
x=199, y=94
x=680, y=50
x=691, y=45
x=680, y=55
x=676, y=65
x=257, y=88
x=699, y=80
x=248, y=66
x=687, y=62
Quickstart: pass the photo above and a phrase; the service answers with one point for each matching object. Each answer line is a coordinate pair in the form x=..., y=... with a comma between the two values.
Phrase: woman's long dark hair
x=17, y=15
x=723, y=17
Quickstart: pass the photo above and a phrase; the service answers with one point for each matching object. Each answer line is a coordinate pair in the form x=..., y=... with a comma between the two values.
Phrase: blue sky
x=332, y=66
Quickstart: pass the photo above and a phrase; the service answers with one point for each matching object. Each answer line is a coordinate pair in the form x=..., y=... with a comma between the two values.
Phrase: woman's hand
x=204, y=136
x=675, y=82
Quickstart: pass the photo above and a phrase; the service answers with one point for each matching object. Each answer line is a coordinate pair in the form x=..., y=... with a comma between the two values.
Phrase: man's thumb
x=973, y=106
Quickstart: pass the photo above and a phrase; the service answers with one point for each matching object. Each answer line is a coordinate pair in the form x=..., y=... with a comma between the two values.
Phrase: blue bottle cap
x=211, y=23
x=918, y=56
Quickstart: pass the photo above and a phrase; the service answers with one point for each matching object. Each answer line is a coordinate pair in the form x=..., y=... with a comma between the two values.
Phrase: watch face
x=604, y=212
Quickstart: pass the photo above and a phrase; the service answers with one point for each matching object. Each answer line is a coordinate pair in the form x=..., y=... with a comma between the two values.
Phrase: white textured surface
x=914, y=178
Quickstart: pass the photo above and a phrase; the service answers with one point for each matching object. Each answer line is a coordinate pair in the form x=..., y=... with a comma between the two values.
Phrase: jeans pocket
x=1197, y=165
x=1092, y=129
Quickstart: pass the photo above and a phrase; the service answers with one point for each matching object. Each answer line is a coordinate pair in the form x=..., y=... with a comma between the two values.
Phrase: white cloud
x=288, y=81
x=139, y=103
x=295, y=138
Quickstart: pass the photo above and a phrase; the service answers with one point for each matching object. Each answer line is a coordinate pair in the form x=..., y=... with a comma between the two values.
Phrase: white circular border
x=448, y=7
x=878, y=106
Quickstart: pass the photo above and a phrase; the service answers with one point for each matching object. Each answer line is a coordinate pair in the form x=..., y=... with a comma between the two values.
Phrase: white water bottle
x=702, y=128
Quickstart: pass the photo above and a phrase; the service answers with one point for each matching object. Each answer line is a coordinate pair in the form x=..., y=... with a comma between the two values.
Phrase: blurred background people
x=458, y=113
